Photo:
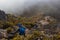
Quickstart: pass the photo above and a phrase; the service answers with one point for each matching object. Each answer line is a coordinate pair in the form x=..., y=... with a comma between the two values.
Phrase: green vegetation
x=29, y=23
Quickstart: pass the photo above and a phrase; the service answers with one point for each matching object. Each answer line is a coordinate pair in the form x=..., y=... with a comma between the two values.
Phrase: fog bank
x=30, y=7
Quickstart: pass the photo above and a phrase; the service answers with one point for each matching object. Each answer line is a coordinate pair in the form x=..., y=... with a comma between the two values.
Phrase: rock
x=27, y=31
x=3, y=33
x=2, y=15
x=43, y=22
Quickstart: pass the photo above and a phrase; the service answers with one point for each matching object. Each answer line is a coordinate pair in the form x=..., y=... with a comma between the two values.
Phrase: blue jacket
x=21, y=29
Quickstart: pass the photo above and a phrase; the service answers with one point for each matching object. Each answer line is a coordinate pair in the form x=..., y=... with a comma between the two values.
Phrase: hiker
x=20, y=30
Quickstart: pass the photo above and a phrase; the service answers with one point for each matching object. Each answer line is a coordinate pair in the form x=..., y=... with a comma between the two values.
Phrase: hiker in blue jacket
x=21, y=29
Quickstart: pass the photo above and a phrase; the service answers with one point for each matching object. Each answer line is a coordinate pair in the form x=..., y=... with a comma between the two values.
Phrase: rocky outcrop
x=2, y=15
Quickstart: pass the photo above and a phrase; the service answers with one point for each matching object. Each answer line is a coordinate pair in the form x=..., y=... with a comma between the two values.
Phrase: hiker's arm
x=14, y=32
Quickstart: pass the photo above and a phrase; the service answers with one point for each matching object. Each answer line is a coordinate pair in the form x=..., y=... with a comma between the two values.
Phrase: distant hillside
x=47, y=9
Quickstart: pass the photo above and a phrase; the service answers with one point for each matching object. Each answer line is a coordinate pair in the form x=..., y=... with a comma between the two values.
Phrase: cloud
x=15, y=6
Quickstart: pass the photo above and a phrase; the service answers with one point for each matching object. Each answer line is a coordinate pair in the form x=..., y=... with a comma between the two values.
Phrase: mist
x=30, y=7
x=15, y=6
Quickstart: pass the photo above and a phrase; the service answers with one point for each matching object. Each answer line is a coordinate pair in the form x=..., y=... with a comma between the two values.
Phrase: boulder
x=2, y=15
x=3, y=33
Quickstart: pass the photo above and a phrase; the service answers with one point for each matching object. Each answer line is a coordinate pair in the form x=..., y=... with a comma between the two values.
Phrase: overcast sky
x=12, y=5
x=17, y=5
